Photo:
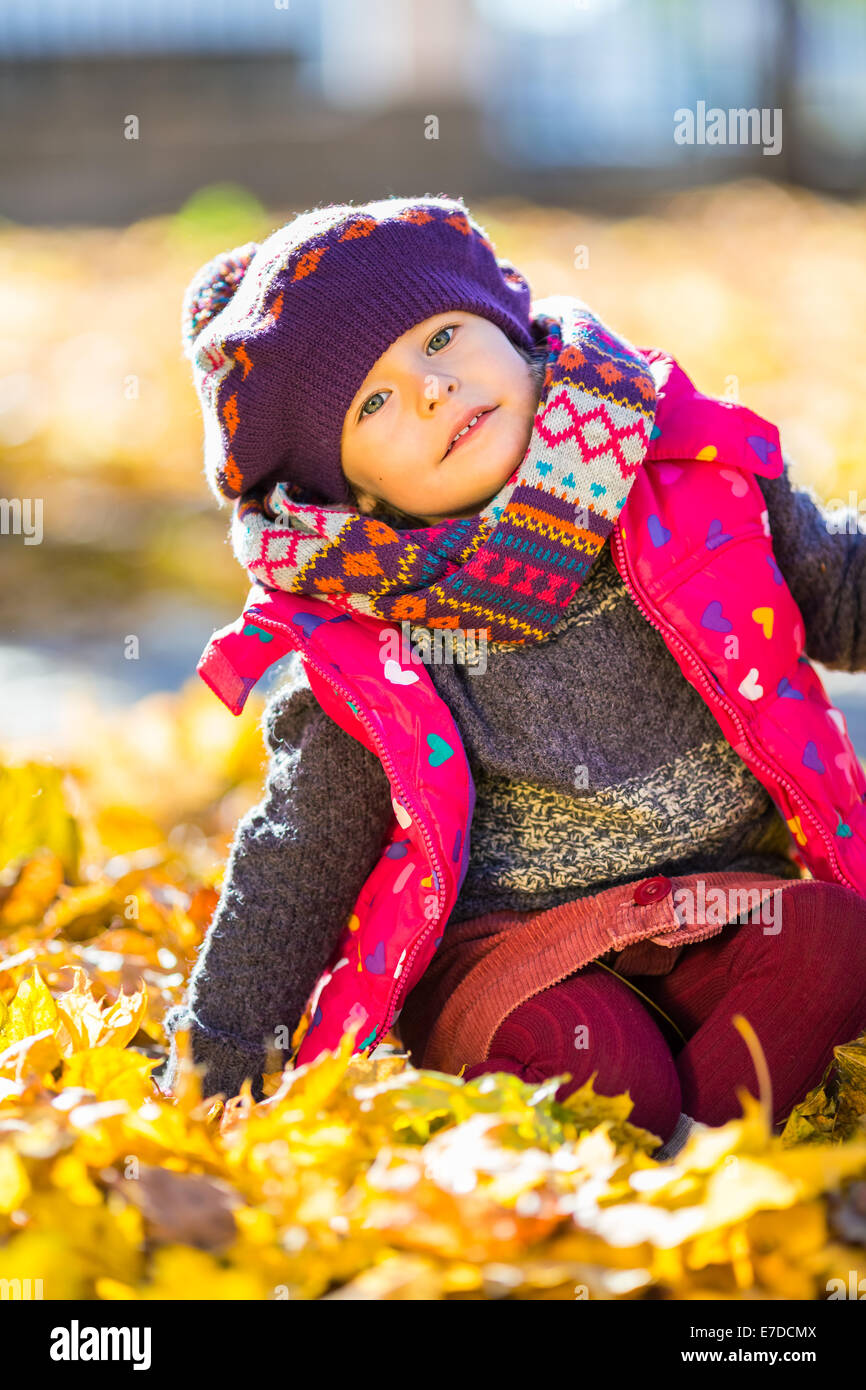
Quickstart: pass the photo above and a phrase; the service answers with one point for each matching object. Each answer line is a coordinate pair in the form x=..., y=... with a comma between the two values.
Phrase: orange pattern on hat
x=232, y=475
x=309, y=262
x=363, y=227
x=460, y=222
x=242, y=357
x=415, y=215
x=230, y=415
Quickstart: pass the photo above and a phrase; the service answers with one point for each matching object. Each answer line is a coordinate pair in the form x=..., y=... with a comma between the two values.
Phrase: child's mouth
x=473, y=429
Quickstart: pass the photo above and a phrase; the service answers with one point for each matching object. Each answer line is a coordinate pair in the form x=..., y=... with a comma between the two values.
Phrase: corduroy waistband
x=489, y=965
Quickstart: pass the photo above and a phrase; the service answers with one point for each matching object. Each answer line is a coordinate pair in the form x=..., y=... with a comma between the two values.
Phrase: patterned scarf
x=509, y=572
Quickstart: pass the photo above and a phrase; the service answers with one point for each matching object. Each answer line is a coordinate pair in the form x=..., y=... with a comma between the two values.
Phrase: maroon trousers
x=803, y=990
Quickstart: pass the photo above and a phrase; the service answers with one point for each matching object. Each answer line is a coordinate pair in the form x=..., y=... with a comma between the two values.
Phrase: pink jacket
x=694, y=550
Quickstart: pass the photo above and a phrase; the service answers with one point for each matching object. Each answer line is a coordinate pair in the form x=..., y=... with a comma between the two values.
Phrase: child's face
x=414, y=399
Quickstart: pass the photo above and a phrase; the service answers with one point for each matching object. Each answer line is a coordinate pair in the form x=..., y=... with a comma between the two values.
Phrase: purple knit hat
x=281, y=336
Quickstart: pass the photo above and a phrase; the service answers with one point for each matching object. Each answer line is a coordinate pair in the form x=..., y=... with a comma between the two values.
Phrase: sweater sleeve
x=297, y=862
x=825, y=569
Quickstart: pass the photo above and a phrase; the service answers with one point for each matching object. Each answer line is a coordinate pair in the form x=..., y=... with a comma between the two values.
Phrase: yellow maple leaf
x=34, y=1055
x=31, y=1011
x=87, y=1021
x=111, y=1073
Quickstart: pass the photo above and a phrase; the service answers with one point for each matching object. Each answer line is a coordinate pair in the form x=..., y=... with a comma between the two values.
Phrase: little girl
x=644, y=760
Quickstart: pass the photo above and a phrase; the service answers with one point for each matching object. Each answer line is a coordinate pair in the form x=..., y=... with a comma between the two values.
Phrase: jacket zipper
x=275, y=625
x=730, y=709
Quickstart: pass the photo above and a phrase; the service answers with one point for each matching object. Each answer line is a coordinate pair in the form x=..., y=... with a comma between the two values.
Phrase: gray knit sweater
x=595, y=762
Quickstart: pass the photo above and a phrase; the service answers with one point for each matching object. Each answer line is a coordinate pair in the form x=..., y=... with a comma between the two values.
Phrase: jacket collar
x=690, y=425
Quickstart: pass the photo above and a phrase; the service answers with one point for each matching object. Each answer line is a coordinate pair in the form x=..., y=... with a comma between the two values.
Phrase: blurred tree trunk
x=794, y=162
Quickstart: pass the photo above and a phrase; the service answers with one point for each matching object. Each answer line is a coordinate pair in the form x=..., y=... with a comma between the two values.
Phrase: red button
x=652, y=889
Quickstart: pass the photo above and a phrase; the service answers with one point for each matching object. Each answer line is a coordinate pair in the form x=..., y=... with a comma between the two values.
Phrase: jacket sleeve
x=297, y=862
x=825, y=569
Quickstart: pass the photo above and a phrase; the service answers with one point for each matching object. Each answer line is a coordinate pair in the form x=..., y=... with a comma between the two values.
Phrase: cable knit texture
x=662, y=791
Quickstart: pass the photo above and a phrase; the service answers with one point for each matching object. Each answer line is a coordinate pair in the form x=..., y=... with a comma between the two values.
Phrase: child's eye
x=363, y=409
x=448, y=328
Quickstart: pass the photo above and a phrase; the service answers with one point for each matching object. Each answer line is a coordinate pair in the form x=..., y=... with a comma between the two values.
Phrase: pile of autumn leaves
x=353, y=1178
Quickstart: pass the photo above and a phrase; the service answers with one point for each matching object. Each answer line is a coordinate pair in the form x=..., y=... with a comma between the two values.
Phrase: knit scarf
x=508, y=573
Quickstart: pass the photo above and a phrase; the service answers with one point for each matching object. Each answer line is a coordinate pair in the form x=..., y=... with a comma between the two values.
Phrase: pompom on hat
x=281, y=335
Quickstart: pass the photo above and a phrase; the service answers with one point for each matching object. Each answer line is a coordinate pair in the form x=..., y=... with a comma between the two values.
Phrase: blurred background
x=140, y=139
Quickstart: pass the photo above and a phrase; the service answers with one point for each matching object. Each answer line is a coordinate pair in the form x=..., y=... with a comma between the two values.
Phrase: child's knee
x=591, y=1023
x=823, y=927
